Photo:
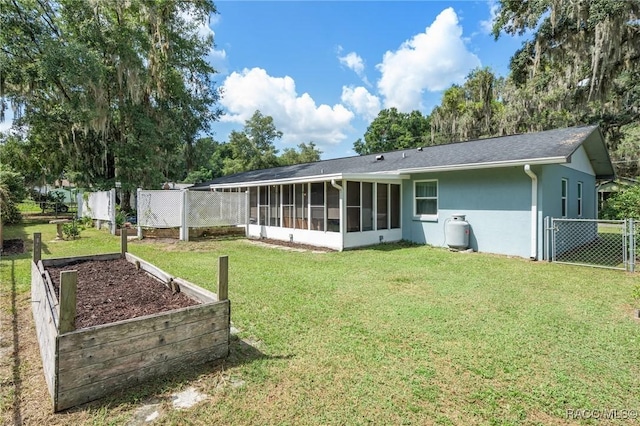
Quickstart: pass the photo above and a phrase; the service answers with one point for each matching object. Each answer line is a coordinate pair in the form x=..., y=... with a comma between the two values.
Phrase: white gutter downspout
x=534, y=211
x=339, y=188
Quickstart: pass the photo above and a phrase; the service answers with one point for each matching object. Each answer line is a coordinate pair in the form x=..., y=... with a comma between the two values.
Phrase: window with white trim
x=263, y=205
x=287, y=206
x=564, y=198
x=353, y=206
x=317, y=206
x=382, y=205
x=579, y=199
x=425, y=202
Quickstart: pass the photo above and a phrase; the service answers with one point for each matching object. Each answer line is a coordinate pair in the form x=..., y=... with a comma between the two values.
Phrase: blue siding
x=496, y=202
x=550, y=179
x=550, y=190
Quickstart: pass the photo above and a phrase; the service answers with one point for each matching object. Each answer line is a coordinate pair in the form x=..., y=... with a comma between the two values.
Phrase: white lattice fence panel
x=99, y=205
x=159, y=209
x=216, y=209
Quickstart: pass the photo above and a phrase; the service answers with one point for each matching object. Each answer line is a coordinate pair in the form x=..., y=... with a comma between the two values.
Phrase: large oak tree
x=119, y=88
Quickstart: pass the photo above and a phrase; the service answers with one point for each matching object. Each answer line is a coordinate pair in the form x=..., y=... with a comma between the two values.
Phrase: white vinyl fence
x=100, y=206
x=190, y=209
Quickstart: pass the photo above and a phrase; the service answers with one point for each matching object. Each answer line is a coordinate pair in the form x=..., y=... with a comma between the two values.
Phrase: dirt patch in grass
x=11, y=247
x=291, y=245
x=115, y=290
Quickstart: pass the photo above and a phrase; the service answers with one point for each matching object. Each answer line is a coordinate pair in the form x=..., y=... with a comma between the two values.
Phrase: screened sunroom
x=332, y=213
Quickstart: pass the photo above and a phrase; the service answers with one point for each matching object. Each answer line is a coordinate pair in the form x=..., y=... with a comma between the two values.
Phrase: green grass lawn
x=395, y=334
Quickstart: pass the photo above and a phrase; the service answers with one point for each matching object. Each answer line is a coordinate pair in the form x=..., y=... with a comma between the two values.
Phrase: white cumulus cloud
x=487, y=26
x=354, y=62
x=431, y=61
x=361, y=101
x=297, y=116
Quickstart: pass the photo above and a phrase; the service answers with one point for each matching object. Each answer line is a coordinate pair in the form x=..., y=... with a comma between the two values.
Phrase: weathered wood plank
x=99, y=389
x=67, y=260
x=99, y=354
x=123, y=242
x=151, y=269
x=131, y=364
x=37, y=247
x=51, y=291
x=195, y=292
x=46, y=329
x=223, y=277
x=96, y=335
x=67, y=306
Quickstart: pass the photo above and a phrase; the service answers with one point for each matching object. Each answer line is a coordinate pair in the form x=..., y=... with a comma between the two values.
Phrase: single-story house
x=505, y=187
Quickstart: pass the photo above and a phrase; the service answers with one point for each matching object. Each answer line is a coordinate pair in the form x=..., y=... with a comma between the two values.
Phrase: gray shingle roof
x=551, y=146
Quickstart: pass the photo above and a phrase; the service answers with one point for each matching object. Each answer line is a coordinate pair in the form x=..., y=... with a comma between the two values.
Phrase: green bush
x=12, y=192
x=623, y=205
x=71, y=230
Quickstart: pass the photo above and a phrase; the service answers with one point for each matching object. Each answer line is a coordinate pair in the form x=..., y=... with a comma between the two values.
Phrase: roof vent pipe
x=419, y=148
x=404, y=155
x=379, y=157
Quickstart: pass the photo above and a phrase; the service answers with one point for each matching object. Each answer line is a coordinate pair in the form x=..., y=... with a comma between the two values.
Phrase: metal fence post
x=547, y=241
x=632, y=246
x=138, y=212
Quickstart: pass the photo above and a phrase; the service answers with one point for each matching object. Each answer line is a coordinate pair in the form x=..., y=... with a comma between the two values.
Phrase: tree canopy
x=118, y=89
x=392, y=130
x=253, y=148
x=581, y=66
x=307, y=153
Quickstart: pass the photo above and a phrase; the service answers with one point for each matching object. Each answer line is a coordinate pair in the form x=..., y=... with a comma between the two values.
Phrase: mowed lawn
x=394, y=334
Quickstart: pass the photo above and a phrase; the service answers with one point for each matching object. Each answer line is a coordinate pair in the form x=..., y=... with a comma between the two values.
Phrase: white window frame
x=580, y=206
x=426, y=217
x=564, y=209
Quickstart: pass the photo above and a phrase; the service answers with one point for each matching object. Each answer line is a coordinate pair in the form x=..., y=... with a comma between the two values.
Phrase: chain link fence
x=599, y=243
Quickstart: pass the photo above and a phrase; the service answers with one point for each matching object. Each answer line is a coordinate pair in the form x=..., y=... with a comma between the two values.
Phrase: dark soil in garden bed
x=11, y=247
x=115, y=290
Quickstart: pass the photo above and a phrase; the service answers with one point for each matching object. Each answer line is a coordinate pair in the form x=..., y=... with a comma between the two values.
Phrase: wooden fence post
x=67, y=302
x=223, y=277
x=37, y=247
x=123, y=241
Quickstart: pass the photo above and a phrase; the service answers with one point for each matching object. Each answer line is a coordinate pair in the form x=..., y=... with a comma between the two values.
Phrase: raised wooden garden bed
x=84, y=364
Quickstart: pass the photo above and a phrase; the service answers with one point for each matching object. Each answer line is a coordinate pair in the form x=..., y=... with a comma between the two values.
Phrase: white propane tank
x=457, y=232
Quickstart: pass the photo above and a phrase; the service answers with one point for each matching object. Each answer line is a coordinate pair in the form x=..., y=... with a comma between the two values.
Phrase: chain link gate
x=591, y=242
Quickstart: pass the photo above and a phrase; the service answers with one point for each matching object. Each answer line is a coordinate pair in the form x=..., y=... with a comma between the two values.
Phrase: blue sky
x=324, y=69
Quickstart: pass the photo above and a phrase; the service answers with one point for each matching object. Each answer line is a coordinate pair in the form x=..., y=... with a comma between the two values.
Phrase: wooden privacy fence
x=82, y=365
